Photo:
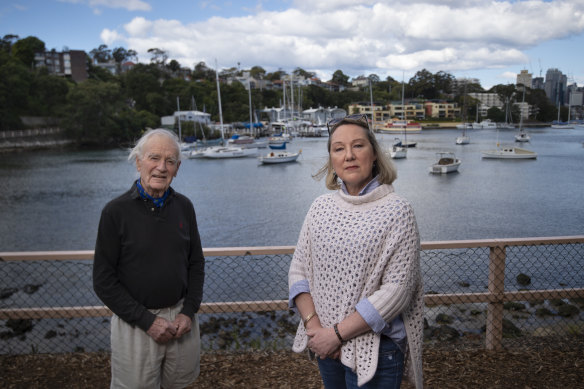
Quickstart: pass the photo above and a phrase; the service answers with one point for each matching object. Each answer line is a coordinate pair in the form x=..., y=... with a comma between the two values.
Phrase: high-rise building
x=556, y=86
x=537, y=83
x=524, y=78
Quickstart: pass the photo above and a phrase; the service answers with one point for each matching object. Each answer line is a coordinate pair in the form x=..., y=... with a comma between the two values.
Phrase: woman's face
x=352, y=156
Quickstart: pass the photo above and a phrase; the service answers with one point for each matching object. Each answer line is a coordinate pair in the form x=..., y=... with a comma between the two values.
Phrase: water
x=52, y=199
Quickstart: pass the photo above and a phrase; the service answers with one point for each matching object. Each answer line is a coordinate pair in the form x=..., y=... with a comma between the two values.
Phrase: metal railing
x=476, y=289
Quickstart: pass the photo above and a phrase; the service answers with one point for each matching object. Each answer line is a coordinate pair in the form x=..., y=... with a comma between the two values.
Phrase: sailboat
x=522, y=136
x=510, y=152
x=216, y=152
x=559, y=124
x=463, y=139
x=401, y=151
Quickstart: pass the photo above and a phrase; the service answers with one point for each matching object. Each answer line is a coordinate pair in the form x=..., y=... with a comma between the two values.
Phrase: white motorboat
x=229, y=152
x=279, y=157
x=398, y=152
x=446, y=163
x=522, y=136
x=462, y=140
x=487, y=123
x=509, y=152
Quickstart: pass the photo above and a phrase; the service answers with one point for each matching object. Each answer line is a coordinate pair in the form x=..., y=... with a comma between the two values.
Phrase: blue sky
x=488, y=40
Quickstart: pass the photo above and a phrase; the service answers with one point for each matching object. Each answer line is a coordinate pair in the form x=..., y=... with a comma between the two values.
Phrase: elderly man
x=149, y=270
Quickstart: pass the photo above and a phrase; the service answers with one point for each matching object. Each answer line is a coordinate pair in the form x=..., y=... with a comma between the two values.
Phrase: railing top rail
x=276, y=250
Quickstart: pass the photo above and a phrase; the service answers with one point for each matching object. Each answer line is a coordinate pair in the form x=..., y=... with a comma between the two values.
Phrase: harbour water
x=52, y=199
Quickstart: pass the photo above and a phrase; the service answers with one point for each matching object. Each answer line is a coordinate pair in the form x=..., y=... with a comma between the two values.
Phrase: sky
x=488, y=40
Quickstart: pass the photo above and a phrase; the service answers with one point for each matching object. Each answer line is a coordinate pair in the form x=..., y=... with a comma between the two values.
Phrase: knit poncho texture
x=356, y=247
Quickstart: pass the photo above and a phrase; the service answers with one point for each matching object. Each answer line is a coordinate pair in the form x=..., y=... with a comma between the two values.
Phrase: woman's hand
x=324, y=342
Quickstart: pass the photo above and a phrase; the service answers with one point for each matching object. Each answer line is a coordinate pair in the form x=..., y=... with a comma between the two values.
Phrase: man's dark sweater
x=148, y=257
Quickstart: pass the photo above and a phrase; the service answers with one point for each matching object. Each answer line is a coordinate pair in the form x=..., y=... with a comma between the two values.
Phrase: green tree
x=7, y=41
x=15, y=85
x=48, y=95
x=141, y=81
x=303, y=73
x=25, y=49
x=257, y=72
x=203, y=72
x=120, y=54
x=340, y=78
x=102, y=54
x=158, y=56
x=93, y=114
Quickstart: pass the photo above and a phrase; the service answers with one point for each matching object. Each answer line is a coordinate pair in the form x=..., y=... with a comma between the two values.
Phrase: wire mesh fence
x=481, y=293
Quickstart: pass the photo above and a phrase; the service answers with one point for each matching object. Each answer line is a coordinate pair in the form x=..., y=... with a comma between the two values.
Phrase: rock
x=568, y=310
x=443, y=318
x=7, y=292
x=542, y=312
x=19, y=326
x=510, y=330
x=513, y=306
x=523, y=279
x=30, y=288
x=445, y=332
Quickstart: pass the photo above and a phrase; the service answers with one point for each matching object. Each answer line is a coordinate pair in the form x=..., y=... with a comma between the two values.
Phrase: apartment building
x=413, y=110
x=72, y=63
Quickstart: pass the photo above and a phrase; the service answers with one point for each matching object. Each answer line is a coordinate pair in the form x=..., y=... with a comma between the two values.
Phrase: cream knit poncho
x=355, y=247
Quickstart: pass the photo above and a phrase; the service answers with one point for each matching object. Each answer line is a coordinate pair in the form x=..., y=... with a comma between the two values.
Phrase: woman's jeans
x=388, y=375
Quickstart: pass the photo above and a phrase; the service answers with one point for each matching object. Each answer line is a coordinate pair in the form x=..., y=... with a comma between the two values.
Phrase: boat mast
x=250, y=117
x=371, y=100
x=178, y=109
x=404, y=115
x=219, y=99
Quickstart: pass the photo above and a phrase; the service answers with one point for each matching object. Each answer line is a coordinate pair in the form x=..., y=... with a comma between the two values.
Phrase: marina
x=53, y=198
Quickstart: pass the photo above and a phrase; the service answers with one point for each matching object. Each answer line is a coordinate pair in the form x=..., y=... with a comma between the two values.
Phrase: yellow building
x=409, y=111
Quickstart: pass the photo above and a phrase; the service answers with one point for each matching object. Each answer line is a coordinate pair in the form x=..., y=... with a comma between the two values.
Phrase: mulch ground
x=540, y=363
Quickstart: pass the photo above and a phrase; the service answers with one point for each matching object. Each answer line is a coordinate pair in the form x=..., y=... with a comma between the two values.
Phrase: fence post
x=494, y=332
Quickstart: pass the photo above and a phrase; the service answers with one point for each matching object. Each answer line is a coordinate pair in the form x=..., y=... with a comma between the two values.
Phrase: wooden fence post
x=494, y=332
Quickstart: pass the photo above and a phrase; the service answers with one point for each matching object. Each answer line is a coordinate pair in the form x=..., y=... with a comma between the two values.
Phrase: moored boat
x=400, y=126
x=230, y=152
x=446, y=163
x=509, y=152
x=279, y=157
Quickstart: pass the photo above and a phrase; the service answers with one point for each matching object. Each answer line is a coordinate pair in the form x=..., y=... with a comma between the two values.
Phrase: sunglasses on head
x=356, y=117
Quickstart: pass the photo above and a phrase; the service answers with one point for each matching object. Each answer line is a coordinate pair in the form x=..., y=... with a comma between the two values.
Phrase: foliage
x=102, y=54
x=95, y=117
x=15, y=85
x=25, y=49
x=429, y=86
x=115, y=108
x=340, y=78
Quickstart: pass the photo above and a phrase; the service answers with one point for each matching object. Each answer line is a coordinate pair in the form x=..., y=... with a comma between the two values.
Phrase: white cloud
x=96, y=5
x=377, y=36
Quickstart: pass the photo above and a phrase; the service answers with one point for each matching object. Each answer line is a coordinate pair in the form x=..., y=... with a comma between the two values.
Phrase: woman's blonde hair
x=382, y=167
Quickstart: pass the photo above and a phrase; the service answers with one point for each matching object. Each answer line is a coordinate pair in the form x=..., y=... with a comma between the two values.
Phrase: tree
x=257, y=72
x=422, y=85
x=340, y=78
x=15, y=85
x=374, y=78
x=203, y=72
x=48, y=95
x=120, y=55
x=277, y=75
x=7, y=41
x=93, y=114
x=303, y=73
x=25, y=49
x=102, y=54
x=174, y=66
x=158, y=56
x=443, y=82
